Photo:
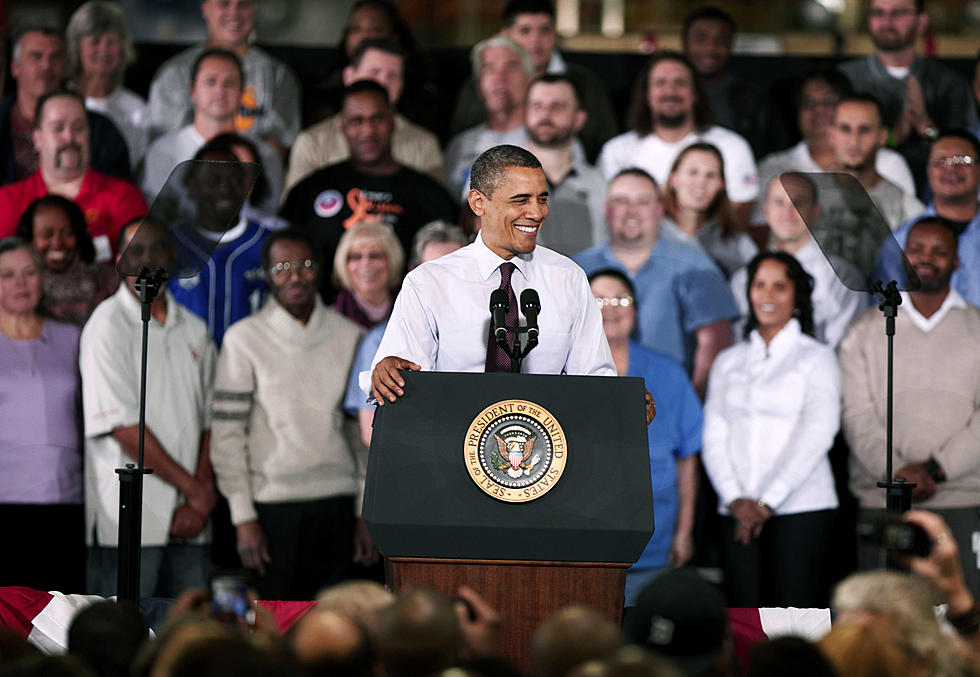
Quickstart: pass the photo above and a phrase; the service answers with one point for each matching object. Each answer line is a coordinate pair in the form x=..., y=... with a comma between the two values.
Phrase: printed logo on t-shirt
x=371, y=205
x=249, y=110
x=328, y=203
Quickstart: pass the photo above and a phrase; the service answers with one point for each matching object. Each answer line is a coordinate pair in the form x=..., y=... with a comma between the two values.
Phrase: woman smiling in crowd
x=772, y=411
x=698, y=209
x=73, y=282
x=368, y=268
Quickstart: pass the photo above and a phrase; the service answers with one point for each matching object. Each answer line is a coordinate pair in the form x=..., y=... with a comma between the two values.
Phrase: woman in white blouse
x=772, y=410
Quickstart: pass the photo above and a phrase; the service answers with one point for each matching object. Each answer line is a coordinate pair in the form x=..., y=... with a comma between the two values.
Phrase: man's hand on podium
x=650, y=405
x=386, y=382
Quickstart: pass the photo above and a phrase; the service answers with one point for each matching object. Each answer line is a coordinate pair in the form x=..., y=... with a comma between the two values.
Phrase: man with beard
x=936, y=381
x=670, y=112
x=919, y=97
x=278, y=448
x=371, y=185
x=503, y=69
x=954, y=177
x=856, y=134
x=531, y=24
x=553, y=117
x=737, y=104
x=816, y=96
x=61, y=137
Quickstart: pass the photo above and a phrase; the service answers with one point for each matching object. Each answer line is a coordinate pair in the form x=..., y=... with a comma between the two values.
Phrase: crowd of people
x=724, y=271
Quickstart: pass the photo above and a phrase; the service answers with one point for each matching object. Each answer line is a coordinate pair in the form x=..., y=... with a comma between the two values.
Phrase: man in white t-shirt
x=180, y=494
x=670, y=112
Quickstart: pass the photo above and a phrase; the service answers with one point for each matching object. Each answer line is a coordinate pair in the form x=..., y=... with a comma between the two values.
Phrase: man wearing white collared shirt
x=440, y=320
x=936, y=386
x=180, y=494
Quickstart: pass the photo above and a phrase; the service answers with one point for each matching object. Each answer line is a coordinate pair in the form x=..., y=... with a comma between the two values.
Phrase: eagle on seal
x=515, y=453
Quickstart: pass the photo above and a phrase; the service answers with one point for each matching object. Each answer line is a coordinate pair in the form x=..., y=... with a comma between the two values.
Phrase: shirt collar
x=926, y=324
x=780, y=343
x=131, y=306
x=487, y=261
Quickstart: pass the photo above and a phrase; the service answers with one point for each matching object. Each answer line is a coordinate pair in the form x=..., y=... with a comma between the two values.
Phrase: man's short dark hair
x=708, y=12
x=963, y=135
x=44, y=98
x=107, y=635
x=364, y=87
x=387, y=46
x=641, y=115
x=488, y=169
x=833, y=78
x=220, y=53
x=291, y=234
x=638, y=173
x=515, y=8
x=941, y=222
x=865, y=98
x=553, y=78
x=32, y=24
x=226, y=142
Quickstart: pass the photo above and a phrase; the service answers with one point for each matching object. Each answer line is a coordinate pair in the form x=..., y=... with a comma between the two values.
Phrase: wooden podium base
x=524, y=593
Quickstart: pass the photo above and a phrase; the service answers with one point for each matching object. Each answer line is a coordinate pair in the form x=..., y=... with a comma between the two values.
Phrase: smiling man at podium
x=440, y=318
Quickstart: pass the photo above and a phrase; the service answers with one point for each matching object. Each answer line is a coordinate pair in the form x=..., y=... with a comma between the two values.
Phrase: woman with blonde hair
x=100, y=48
x=367, y=269
x=698, y=211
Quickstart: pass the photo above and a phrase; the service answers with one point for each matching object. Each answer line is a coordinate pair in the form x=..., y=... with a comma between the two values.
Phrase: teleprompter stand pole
x=898, y=493
x=148, y=285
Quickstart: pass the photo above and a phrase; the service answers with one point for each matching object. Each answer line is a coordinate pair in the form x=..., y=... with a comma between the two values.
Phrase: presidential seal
x=515, y=451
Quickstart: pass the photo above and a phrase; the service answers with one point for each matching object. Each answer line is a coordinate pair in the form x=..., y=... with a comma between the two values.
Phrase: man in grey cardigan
x=278, y=448
x=937, y=388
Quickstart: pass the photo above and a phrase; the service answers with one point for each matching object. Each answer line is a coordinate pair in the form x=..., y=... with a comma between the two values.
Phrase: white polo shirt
x=655, y=156
x=180, y=370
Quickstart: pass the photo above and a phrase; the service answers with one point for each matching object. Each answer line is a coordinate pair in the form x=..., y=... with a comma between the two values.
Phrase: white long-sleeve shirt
x=441, y=318
x=769, y=420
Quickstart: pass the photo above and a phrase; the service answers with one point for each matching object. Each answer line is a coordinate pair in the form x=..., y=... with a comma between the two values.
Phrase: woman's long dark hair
x=802, y=290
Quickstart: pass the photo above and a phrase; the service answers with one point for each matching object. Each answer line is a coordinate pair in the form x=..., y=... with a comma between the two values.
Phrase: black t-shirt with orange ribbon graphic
x=333, y=199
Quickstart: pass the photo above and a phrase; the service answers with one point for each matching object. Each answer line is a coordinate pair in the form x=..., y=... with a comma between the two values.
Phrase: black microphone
x=499, y=305
x=530, y=307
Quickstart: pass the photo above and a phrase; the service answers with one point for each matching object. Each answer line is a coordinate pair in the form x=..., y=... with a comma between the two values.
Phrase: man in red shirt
x=61, y=137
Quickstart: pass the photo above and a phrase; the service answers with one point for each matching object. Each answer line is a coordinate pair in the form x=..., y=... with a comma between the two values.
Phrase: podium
x=534, y=490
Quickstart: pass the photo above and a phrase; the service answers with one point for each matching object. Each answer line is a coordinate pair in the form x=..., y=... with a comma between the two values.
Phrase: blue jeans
x=165, y=571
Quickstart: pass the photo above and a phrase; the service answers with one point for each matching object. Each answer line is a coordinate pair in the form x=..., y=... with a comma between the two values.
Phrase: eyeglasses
x=281, y=271
x=953, y=161
x=614, y=301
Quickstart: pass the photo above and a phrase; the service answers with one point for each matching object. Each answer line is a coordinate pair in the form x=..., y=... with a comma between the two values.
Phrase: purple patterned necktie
x=497, y=359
